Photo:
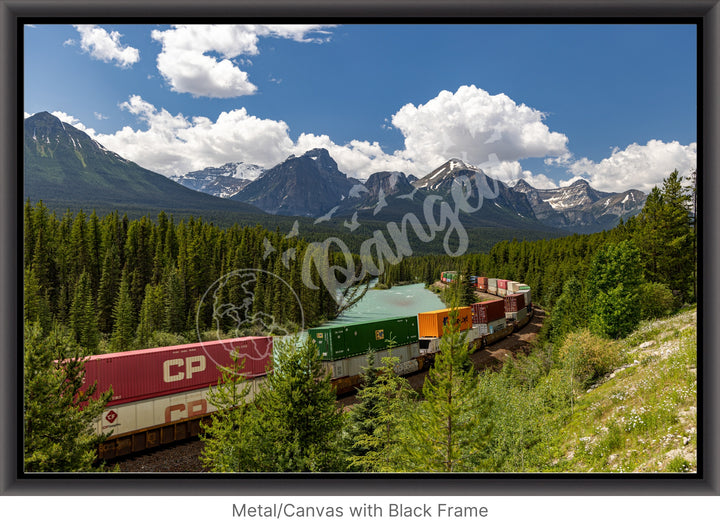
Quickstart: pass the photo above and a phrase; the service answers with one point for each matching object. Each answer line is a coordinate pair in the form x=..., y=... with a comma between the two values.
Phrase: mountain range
x=312, y=185
x=66, y=168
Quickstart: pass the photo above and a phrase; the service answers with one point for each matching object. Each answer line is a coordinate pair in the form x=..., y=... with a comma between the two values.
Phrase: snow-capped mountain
x=223, y=181
x=309, y=185
x=580, y=205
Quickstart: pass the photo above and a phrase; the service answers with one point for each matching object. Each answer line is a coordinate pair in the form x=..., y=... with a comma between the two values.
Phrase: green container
x=343, y=341
x=523, y=287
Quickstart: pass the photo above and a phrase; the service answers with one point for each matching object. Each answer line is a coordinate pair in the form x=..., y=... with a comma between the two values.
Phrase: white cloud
x=472, y=124
x=185, y=64
x=106, y=46
x=69, y=42
x=100, y=116
x=510, y=172
x=69, y=119
x=175, y=144
x=637, y=166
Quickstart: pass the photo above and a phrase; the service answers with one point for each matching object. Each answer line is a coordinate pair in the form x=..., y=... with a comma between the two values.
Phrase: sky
x=613, y=104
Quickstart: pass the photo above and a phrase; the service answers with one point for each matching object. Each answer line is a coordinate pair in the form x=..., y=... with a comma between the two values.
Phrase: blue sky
x=613, y=104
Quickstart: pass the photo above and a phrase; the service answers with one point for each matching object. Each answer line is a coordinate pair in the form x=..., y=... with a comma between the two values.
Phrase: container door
x=339, y=347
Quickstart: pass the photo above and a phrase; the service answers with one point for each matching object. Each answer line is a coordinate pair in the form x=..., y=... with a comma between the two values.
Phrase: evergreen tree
x=35, y=301
x=375, y=423
x=228, y=439
x=123, y=333
x=83, y=318
x=58, y=412
x=108, y=288
x=613, y=288
x=665, y=236
x=570, y=312
x=299, y=423
x=152, y=315
x=447, y=432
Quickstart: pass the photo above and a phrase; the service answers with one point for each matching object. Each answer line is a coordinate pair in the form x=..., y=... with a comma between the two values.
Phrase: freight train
x=160, y=395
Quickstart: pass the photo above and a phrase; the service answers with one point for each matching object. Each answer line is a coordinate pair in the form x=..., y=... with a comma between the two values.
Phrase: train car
x=161, y=395
x=146, y=373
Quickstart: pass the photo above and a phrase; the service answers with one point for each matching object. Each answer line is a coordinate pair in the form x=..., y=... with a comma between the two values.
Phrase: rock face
x=308, y=185
x=580, y=206
x=65, y=168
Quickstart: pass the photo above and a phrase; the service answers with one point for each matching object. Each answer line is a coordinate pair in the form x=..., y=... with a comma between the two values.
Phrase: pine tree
x=152, y=315
x=299, y=421
x=83, y=318
x=108, y=288
x=229, y=444
x=447, y=432
x=613, y=288
x=58, y=413
x=375, y=423
x=123, y=317
x=35, y=301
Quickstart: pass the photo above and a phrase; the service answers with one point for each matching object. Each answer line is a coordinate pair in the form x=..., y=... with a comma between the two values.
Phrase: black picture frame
x=706, y=13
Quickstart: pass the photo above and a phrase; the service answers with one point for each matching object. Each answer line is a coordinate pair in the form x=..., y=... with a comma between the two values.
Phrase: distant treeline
x=121, y=281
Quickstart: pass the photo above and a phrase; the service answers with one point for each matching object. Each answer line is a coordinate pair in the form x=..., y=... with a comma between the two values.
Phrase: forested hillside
x=121, y=284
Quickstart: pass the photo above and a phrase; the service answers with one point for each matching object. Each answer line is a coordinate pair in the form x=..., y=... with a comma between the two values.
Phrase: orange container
x=431, y=324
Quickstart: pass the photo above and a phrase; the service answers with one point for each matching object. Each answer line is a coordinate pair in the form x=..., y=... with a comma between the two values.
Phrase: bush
x=656, y=301
x=589, y=357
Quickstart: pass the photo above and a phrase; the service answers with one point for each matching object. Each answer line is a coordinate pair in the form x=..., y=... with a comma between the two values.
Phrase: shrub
x=656, y=301
x=588, y=357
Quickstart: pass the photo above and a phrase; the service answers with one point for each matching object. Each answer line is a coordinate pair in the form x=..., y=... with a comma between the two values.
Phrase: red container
x=502, y=283
x=487, y=311
x=482, y=283
x=137, y=375
x=514, y=302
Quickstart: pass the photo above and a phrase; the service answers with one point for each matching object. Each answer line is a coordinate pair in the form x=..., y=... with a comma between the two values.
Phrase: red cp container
x=482, y=283
x=502, y=283
x=514, y=302
x=487, y=311
x=146, y=373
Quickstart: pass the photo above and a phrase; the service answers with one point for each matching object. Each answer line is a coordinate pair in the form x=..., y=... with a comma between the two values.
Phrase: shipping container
x=527, y=295
x=122, y=418
x=514, y=302
x=523, y=287
x=513, y=286
x=492, y=327
x=355, y=365
x=502, y=283
x=342, y=341
x=492, y=281
x=482, y=284
x=487, y=311
x=501, y=292
x=431, y=324
x=136, y=375
x=517, y=316
x=492, y=290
